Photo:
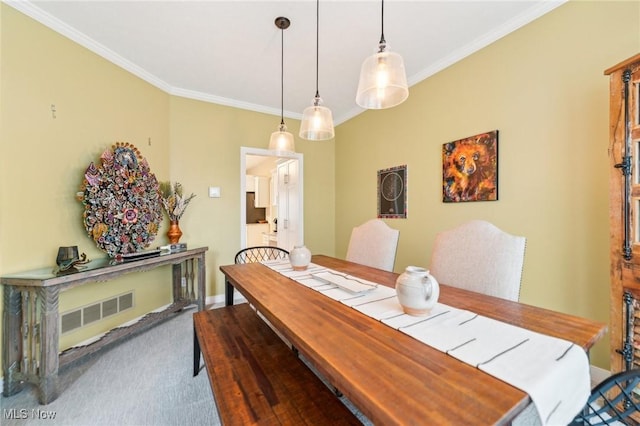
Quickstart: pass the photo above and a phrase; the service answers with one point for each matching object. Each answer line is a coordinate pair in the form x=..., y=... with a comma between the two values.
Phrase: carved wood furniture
x=391, y=377
x=30, y=338
x=256, y=378
x=624, y=212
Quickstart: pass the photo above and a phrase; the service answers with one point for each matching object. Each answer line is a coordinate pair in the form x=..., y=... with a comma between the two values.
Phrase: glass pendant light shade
x=383, y=81
x=317, y=122
x=281, y=140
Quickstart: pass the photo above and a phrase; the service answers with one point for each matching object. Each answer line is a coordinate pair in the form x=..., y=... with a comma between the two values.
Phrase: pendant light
x=281, y=140
x=317, y=122
x=383, y=80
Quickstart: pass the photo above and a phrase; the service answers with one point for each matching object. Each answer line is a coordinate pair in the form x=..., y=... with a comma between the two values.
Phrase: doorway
x=281, y=176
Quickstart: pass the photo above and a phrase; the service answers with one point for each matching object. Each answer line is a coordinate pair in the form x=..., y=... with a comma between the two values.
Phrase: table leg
x=49, y=344
x=202, y=274
x=11, y=340
x=196, y=353
x=228, y=292
x=176, y=277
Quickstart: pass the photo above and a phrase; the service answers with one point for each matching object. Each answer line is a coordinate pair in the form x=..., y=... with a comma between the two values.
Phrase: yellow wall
x=543, y=88
x=43, y=159
x=205, y=151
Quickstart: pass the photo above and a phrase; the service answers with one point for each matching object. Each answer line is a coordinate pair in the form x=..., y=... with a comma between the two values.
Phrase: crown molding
x=55, y=24
x=206, y=97
x=508, y=27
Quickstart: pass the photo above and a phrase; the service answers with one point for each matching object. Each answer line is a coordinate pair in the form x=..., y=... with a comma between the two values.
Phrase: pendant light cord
x=382, y=40
x=317, y=46
x=282, y=77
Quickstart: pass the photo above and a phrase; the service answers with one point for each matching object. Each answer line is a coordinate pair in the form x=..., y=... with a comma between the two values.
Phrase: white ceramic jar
x=300, y=257
x=417, y=291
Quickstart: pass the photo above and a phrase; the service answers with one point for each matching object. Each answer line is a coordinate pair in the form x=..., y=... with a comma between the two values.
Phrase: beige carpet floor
x=146, y=380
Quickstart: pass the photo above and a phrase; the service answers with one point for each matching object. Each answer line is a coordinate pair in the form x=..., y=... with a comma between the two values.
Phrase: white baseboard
x=598, y=374
x=219, y=300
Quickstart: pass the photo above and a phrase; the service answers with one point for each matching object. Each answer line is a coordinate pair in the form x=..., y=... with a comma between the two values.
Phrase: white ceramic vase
x=417, y=291
x=300, y=257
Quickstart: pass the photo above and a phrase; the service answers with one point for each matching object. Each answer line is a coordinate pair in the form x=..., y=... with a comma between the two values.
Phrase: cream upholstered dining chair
x=373, y=244
x=480, y=257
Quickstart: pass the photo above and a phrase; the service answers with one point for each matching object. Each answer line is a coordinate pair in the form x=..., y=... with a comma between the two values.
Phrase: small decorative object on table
x=119, y=258
x=173, y=248
x=417, y=291
x=174, y=203
x=300, y=257
x=68, y=260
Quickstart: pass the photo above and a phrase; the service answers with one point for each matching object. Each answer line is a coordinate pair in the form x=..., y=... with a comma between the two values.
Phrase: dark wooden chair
x=260, y=253
x=613, y=401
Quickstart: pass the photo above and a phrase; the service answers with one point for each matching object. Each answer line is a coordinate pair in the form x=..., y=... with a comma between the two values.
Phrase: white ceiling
x=228, y=52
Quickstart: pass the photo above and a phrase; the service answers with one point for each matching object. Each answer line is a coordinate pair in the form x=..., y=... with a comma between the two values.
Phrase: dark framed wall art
x=470, y=169
x=392, y=193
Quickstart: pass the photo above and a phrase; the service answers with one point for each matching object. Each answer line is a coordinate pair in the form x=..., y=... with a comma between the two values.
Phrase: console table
x=30, y=338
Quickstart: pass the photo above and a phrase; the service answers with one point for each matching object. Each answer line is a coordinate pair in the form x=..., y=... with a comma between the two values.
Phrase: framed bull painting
x=470, y=169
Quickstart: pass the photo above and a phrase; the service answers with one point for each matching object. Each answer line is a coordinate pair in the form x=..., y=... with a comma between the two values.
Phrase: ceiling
x=229, y=52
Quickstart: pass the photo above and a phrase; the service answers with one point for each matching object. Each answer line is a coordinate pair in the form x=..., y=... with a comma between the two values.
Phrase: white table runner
x=554, y=372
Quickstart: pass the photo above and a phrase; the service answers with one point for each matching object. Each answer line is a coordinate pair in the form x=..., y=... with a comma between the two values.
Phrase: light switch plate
x=214, y=192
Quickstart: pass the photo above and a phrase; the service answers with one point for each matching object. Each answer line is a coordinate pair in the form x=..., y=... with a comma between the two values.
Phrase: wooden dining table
x=389, y=376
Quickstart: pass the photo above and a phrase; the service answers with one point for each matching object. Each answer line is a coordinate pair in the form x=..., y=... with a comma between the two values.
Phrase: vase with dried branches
x=175, y=203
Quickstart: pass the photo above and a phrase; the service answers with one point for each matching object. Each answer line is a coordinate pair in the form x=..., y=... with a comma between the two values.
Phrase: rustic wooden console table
x=30, y=338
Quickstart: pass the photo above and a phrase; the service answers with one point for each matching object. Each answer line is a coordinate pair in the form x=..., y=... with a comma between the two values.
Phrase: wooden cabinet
x=274, y=188
x=254, y=233
x=624, y=213
x=260, y=186
x=262, y=191
x=250, y=183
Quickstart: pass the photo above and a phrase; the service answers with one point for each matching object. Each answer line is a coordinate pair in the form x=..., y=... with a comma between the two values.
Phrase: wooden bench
x=255, y=377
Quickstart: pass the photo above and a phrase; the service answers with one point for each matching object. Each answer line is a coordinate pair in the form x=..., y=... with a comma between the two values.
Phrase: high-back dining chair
x=373, y=244
x=480, y=257
x=260, y=253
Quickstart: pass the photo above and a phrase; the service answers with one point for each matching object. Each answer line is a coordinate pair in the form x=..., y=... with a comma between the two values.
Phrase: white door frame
x=244, y=151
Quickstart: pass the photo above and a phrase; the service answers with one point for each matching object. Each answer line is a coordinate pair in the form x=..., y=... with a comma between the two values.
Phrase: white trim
x=218, y=300
x=497, y=33
x=205, y=97
x=71, y=33
x=598, y=375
